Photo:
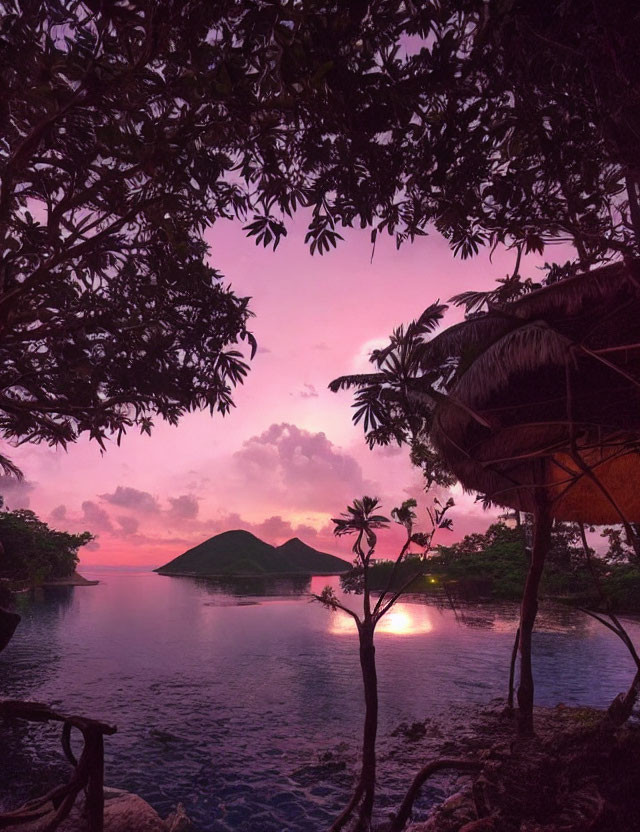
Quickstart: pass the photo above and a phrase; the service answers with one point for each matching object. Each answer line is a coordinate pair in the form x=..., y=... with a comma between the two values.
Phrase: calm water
x=243, y=701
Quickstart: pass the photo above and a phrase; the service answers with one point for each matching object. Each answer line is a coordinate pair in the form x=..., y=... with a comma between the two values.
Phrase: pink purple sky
x=288, y=457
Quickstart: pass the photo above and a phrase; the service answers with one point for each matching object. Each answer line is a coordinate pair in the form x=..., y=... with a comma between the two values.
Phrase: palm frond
x=428, y=321
x=9, y=468
x=358, y=380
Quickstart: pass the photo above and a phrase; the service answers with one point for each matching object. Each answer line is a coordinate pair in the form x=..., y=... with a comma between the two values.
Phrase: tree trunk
x=528, y=612
x=512, y=668
x=370, y=681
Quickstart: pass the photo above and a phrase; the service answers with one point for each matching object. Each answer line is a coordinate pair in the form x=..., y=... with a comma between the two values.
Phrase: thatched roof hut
x=542, y=414
x=547, y=395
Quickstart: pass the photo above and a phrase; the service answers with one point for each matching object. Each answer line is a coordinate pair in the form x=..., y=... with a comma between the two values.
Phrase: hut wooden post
x=528, y=611
x=95, y=786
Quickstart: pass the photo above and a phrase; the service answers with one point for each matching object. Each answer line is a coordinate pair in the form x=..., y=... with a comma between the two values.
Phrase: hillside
x=307, y=559
x=241, y=553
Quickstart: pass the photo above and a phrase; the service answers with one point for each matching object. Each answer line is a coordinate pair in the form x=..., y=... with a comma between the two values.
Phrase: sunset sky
x=288, y=457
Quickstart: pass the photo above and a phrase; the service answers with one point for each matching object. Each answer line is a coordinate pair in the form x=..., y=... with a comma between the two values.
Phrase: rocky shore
x=123, y=812
x=577, y=774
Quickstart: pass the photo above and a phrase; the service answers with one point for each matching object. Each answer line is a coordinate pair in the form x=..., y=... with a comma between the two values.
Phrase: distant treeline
x=493, y=565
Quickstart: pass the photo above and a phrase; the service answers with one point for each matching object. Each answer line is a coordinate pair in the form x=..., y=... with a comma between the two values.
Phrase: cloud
x=129, y=525
x=309, y=392
x=361, y=362
x=15, y=492
x=127, y=497
x=184, y=507
x=297, y=468
x=96, y=517
x=59, y=514
x=274, y=529
x=390, y=450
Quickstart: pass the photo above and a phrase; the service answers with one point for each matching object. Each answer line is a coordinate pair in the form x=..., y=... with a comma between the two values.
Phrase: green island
x=240, y=553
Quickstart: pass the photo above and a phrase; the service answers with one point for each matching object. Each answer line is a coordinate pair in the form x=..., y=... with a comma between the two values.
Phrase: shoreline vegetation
x=493, y=567
x=75, y=579
x=17, y=585
x=35, y=555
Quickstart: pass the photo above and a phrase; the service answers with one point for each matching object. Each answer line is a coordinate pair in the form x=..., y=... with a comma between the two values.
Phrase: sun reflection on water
x=403, y=620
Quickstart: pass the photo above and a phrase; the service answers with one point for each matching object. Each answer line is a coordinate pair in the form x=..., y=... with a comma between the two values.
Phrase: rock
x=125, y=812
x=8, y=623
x=452, y=816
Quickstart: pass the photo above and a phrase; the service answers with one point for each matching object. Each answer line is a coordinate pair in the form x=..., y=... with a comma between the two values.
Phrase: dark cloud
x=59, y=514
x=96, y=517
x=184, y=507
x=15, y=492
x=126, y=497
x=129, y=525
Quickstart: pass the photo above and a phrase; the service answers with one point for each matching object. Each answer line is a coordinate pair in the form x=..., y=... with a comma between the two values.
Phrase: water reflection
x=267, y=586
x=402, y=620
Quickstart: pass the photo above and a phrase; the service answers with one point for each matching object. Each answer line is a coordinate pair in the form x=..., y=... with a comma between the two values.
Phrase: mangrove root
x=404, y=812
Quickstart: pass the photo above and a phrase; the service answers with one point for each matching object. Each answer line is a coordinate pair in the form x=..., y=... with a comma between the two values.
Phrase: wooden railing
x=88, y=770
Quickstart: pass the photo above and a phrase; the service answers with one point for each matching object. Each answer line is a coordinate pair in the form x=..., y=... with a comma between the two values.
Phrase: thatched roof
x=547, y=393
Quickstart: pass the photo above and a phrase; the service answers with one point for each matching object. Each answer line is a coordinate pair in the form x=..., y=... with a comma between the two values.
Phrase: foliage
x=496, y=560
x=494, y=564
x=621, y=585
x=396, y=402
x=620, y=550
x=108, y=311
x=360, y=520
x=31, y=551
x=129, y=128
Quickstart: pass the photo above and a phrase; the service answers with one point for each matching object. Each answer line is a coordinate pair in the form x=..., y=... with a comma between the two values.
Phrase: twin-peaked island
x=242, y=553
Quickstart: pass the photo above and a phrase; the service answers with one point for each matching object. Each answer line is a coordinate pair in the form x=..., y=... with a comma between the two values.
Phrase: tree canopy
x=128, y=128
x=30, y=550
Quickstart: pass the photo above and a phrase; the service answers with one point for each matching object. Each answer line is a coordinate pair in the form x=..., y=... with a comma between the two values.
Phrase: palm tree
x=361, y=520
x=396, y=403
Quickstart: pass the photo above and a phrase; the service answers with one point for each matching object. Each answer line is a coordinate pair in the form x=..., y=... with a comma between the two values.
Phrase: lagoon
x=242, y=700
